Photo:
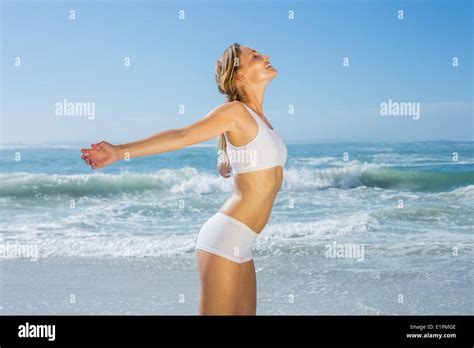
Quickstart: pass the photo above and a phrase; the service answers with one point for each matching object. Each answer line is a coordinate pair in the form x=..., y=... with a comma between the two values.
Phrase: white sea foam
x=346, y=176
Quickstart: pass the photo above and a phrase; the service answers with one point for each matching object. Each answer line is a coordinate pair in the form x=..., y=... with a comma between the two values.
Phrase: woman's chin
x=272, y=74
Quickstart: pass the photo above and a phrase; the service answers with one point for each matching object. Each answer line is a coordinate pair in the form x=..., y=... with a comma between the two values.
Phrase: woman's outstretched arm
x=221, y=119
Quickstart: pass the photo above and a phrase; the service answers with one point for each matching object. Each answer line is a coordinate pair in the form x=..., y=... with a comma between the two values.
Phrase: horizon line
x=289, y=142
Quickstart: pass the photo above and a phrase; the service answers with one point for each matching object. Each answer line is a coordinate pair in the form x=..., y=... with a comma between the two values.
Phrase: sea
x=359, y=228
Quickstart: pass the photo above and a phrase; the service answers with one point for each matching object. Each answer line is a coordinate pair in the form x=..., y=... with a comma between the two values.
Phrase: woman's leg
x=219, y=284
x=247, y=303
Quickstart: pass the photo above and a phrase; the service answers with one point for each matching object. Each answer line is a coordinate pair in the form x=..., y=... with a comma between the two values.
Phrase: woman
x=255, y=153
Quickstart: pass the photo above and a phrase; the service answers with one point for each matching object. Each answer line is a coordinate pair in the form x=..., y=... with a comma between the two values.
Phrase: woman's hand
x=224, y=170
x=100, y=155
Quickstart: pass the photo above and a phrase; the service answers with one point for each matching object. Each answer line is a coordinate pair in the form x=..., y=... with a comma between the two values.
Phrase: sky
x=47, y=57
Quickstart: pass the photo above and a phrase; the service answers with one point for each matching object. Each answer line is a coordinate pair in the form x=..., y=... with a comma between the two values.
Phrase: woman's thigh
x=219, y=284
x=247, y=302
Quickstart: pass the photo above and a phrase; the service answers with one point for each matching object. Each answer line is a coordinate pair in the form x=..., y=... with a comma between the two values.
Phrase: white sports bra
x=266, y=150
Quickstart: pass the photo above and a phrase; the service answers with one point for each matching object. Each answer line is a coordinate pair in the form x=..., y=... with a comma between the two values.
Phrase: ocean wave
x=346, y=176
x=183, y=180
x=54, y=239
x=374, y=251
x=184, y=246
x=108, y=246
x=74, y=239
x=341, y=225
x=189, y=180
x=414, y=180
x=355, y=174
x=283, y=238
x=464, y=194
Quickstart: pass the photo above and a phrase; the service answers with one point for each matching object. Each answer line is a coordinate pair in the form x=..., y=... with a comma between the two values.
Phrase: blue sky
x=172, y=63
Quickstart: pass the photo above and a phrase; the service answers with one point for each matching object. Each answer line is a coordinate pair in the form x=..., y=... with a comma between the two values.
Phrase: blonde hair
x=225, y=73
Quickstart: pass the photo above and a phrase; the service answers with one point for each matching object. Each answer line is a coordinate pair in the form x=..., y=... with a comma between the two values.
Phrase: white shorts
x=227, y=237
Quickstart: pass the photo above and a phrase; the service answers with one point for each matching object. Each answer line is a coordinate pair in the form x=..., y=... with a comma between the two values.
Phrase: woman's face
x=255, y=66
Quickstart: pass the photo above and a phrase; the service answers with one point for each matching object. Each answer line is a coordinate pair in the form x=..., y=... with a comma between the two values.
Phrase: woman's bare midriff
x=253, y=197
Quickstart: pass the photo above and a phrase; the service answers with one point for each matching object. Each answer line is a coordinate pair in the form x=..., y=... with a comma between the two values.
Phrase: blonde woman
x=249, y=147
